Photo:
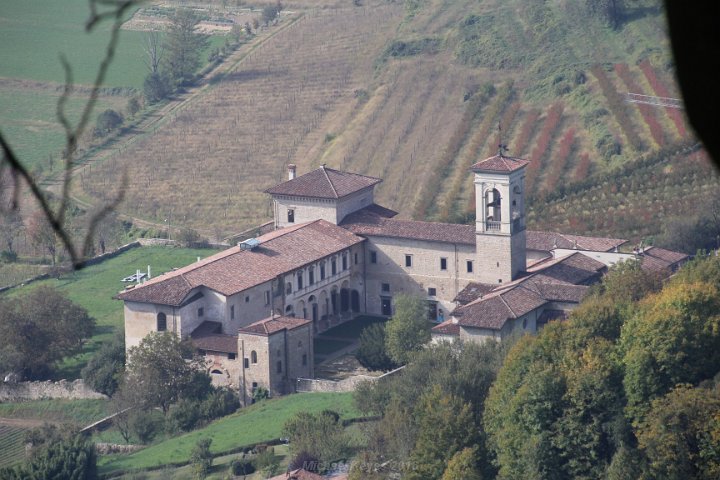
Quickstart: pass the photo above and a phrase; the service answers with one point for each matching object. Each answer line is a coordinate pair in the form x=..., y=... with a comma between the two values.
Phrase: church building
x=254, y=308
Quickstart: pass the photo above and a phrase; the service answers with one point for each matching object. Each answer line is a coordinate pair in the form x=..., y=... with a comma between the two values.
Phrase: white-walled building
x=334, y=254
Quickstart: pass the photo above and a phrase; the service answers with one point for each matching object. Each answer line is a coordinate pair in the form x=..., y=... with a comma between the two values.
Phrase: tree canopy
x=38, y=329
x=183, y=46
x=407, y=331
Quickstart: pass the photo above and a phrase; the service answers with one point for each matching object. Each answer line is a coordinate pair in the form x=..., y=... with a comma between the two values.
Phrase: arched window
x=288, y=288
x=253, y=356
x=161, y=322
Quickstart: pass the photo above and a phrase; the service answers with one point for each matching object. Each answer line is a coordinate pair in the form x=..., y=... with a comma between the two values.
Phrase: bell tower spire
x=500, y=217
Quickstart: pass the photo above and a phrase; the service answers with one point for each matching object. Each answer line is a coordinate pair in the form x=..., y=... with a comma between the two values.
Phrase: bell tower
x=499, y=218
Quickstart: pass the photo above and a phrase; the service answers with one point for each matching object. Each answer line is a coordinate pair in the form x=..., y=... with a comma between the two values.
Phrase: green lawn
x=258, y=423
x=79, y=412
x=93, y=288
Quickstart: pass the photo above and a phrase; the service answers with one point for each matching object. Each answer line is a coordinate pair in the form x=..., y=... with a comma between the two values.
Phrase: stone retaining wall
x=25, y=391
x=345, y=385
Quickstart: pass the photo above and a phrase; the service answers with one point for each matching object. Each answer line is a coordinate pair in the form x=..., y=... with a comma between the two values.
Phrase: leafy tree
x=133, y=106
x=201, y=458
x=320, y=435
x=269, y=13
x=144, y=425
x=306, y=461
x=105, y=368
x=462, y=467
x=627, y=282
x=267, y=462
x=371, y=353
x=407, y=331
x=107, y=121
x=156, y=87
x=674, y=339
x=184, y=46
x=57, y=455
x=627, y=463
x=681, y=434
x=446, y=427
x=40, y=328
x=161, y=369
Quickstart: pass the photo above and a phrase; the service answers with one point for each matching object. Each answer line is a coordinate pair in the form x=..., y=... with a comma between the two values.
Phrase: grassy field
x=94, y=287
x=78, y=412
x=257, y=423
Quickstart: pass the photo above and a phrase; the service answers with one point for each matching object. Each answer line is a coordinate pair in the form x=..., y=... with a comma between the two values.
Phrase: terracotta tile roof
x=364, y=222
x=554, y=281
x=448, y=327
x=207, y=336
x=499, y=163
x=235, y=270
x=473, y=291
x=656, y=259
x=324, y=182
x=575, y=269
x=547, y=241
x=270, y=326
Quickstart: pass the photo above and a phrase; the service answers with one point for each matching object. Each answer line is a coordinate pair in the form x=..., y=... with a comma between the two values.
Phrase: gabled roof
x=324, y=182
x=547, y=241
x=499, y=164
x=207, y=337
x=558, y=280
x=448, y=327
x=368, y=222
x=234, y=270
x=473, y=291
x=272, y=325
x=658, y=259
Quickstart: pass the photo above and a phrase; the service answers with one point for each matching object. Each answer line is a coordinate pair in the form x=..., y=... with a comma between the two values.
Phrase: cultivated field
x=403, y=95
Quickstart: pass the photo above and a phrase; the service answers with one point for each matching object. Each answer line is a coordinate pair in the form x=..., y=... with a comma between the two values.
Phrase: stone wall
x=345, y=385
x=25, y=391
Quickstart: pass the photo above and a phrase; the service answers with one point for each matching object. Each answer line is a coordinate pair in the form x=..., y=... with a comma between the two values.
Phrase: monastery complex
x=334, y=254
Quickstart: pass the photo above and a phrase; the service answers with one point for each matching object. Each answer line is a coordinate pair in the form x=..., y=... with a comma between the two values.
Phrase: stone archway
x=355, y=301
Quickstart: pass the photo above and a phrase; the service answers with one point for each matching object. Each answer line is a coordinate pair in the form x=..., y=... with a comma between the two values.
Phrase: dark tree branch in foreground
x=115, y=11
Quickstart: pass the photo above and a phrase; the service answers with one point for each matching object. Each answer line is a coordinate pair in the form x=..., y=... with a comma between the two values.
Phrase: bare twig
x=57, y=219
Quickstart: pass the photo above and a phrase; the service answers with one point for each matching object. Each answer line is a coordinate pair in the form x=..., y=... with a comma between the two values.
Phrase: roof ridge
x=506, y=303
x=329, y=181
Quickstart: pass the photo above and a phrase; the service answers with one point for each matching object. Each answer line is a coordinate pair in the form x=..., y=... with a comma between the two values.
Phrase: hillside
x=414, y=94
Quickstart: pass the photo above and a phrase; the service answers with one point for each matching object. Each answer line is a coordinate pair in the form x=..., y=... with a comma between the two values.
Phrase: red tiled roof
x=448, y=327
x=324, y=182
x=207, y=337
x=547, y=241
x=235, y=270
x=270, y=326
x=554, y=281
x=666, y=255
x=473, y=291
x=364, y=222
x=499, y=163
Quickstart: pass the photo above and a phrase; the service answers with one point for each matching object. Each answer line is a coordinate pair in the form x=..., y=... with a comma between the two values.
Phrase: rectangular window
x=408, y=260
x=232, y=312
x=231, y=356
x=304, y=359
x=333, y=267
x=291, y=215
x=443, y=263
x=356, y=258
x=267, y=297
x=246, y=363
x=385, y=287
x=432, y=292
x=373, y=256
x=300, y=280
x=311, y=275
x=345, y=262
x=201, y=312
x=322, y=271
x=279, y=366
x=247, y=299
x=469, y=266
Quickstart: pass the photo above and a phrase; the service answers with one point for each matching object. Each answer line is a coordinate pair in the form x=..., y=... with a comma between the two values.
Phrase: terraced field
x=12, y=447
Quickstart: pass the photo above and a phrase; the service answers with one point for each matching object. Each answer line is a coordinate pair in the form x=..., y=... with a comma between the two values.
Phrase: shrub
x=372, y=353
x=184, y=416
x=144, y=425
x=7, y=256
x=260, y=393
x=201, y=458
x=107, y=121
x=240, y=466
x=156, y=87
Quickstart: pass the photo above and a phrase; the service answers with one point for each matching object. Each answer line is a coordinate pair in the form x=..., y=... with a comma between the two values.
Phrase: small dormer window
x=291, y=215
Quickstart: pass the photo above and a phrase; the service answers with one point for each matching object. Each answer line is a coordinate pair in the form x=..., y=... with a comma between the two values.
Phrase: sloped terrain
x=413, y=94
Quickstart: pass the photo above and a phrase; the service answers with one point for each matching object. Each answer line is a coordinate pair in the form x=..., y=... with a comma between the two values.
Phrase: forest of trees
x=628, y=387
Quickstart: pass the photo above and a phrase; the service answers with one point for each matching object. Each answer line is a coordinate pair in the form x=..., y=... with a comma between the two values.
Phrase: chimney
x=291, y=171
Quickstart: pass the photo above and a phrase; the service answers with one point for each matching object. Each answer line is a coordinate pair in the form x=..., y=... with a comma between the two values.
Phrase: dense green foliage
x=39, y=329
x=408, y=330
x=201, y=458
x=105, y=368
x=184, y=46
x=320, y=435
x=372, y=352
